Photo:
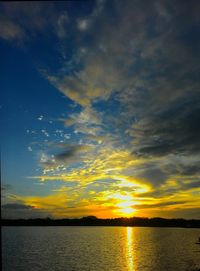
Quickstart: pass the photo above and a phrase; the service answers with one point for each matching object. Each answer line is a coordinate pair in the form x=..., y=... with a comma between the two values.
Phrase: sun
x=127, y=211
x=126, y=208
x=124, y=204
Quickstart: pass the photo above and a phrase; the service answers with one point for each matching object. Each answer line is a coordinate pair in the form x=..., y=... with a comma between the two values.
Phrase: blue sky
x=100, y=108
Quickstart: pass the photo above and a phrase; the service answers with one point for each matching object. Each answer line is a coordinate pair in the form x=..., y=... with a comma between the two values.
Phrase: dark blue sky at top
x=109, y=75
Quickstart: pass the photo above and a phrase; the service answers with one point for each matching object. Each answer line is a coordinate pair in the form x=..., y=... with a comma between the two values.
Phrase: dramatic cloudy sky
x=100, y=108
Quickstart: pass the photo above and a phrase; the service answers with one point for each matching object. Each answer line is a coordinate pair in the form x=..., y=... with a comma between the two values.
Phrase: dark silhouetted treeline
x=93, y=221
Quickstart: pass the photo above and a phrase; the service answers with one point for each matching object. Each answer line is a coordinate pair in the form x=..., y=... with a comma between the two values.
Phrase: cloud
x=92, y=83
x=153, y=175
x=24, y=21
x=174, y=131
x=69, y=154
x=10, y=31
x=62, y=25
x=59, y=205
x=21, y=210
x=87, y=122
x=16, y=206
x=87, y=116
x=125, y=59
x=105, y=63
x=84, y=24
x=5, y=187
x=160, y=204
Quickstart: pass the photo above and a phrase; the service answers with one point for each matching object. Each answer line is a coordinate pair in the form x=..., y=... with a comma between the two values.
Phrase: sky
x=100, y=108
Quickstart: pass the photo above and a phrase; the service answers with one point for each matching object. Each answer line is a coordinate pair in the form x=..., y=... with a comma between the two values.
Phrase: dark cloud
x=161, y=204
x=69, y=154
x=71, y=151
x=26, y=19
x=5, y=187
x=183, y=184
x=20, y=210
x=191, y=184
x=185, y=168
x=66, y=154
x=17, y=206
x=154, y=175
x=175, y=131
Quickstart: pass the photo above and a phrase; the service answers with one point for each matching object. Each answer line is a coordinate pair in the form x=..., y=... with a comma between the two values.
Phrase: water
x=99, y=249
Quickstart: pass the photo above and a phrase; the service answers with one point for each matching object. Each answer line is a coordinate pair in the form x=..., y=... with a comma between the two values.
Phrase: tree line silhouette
x=94, y=221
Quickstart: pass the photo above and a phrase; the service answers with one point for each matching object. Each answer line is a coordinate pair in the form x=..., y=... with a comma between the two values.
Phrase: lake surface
x=100, y=249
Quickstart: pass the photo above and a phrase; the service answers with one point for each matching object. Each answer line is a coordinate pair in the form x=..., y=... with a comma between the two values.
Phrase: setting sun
x=127, y=211
x=126, y=208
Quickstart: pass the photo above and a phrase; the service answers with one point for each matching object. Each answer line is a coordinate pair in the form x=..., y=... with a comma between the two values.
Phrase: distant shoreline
x=93, y=221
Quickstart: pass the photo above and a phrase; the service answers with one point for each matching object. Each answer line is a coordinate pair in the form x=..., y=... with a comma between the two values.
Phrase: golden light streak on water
x=129, y=251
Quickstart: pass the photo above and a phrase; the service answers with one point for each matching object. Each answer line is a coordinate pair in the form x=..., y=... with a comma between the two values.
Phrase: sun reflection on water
x=129, y=256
